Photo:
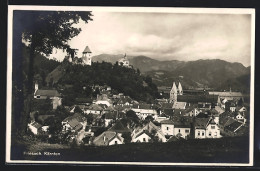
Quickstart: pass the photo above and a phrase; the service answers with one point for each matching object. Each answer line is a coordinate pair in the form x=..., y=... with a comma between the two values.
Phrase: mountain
x=203, y=73
x=200, y=73
x=109, y=58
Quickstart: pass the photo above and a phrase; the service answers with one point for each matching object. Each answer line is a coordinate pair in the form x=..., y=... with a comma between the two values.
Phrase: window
x=212, y=127
x=167, y=128
x=143, y=139
x=187, y=131
x=198, y=133
x=179, y=130
x=202, y=133
x=115, y=142
x=209, y=133
x=38, y=96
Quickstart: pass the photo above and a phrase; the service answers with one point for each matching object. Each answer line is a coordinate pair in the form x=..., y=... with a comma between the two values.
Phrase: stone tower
x=173, y=94
x=180, y=91
x=86, y=56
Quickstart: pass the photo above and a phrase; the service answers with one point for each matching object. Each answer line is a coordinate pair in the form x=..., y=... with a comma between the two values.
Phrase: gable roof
x=143, y=132
x=233, y=126
x=87, y=50
x=48, y=93
x=119, y=127
x=36, y=125
x=201, y=123
x=179, y=105
x=166, y=121
x=95, y=107
x=103, y=139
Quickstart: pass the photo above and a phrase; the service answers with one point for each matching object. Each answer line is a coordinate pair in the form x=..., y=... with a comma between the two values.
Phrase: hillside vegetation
x=121, y=79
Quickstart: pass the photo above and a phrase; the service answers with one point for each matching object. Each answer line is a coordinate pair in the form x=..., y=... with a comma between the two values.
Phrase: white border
x=128, y=9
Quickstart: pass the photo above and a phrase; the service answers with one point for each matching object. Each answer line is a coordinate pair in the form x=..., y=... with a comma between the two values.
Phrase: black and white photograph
x=130, y=85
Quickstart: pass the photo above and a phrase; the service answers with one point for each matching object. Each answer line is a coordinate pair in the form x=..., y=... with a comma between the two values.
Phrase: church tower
x=173, y=94
x=180, y=91
x=86, y=56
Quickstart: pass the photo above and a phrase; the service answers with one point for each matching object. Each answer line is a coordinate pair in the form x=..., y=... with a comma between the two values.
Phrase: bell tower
x=173, y=93
x=86, y=56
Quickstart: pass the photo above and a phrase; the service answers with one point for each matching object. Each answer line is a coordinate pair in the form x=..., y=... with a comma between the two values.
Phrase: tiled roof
x=167, y=122
x=201, y=123
x=104, y=138
x=95, y=107
x=86, y=50
x=111, y=115
x=166, y=105
x=228, y=94
x=36, y=125
x=179, y=105
x=143, y=132
x=48, y=93
x=233, y=126
x=198, y=98
x=119, y=127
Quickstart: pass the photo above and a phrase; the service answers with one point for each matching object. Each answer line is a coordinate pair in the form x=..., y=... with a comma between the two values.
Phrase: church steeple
x=180, y=91
x=173, y=93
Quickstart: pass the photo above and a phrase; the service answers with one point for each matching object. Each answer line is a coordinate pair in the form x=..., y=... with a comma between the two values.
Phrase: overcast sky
x=167, y=36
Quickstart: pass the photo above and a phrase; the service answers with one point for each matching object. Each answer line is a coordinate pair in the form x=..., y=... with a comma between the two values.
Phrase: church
x=175, y=91
x=84, y=60
x=124, y=62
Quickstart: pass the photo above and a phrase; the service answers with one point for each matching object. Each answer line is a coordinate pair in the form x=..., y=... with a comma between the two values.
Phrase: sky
x=166, y=36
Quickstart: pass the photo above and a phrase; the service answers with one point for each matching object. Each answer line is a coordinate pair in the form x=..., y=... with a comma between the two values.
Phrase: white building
x=86, y=56
x=142, y=137
x=206, y=128
x=124, y=61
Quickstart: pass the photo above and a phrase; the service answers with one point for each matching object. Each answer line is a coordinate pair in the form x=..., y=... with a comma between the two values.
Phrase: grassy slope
x=225, y=150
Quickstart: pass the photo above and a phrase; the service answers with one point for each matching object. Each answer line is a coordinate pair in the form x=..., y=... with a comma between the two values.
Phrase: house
x=35, y=127
x=119, y=128
x=110, y=117
x=142, y=137
x=239, y=116
x=206, y=128
x=108, y=138
x=152, y=129
x=94, y=109
x=192, y=112
x=144, y=110
x=219, y=109
x=228, y=95
x=241, y=109
x=103, y=99
x=54, y=95
x=182, y=129
x=74, y=123
x=204, y=105
x=125, y=101
x=167, y=127
x=233, y=128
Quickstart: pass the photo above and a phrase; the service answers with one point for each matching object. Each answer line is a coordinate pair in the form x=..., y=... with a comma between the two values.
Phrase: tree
x=77, y=110
x=127, y=137
x=43, y=30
